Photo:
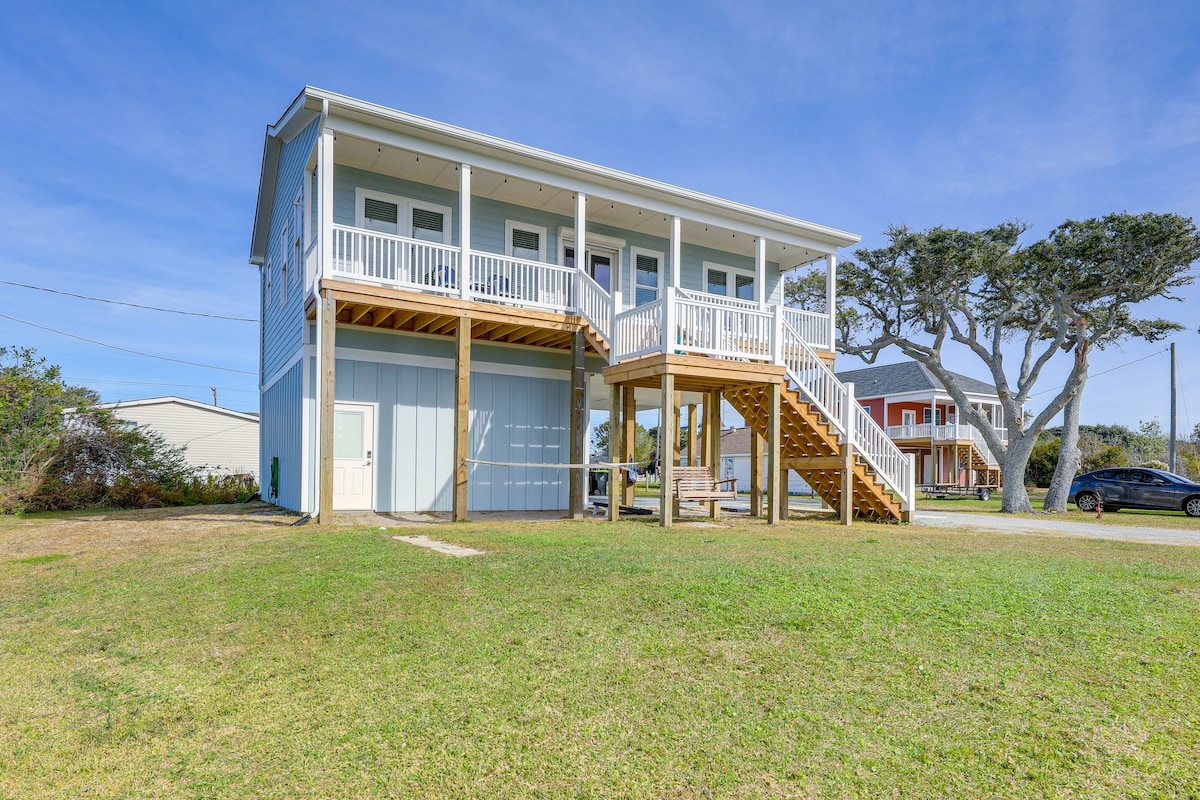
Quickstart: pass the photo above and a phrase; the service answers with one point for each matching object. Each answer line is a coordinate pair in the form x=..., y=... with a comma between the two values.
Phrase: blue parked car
x=1135, y=487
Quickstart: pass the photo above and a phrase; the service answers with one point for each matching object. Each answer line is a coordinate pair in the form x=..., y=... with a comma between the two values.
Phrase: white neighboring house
x=215, y=440
x=735, y=462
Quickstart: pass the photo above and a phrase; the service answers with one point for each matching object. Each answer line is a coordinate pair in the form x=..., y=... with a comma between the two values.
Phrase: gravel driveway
x=1006, y=523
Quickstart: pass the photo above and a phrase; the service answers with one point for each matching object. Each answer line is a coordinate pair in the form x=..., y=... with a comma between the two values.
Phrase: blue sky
x=133, y=138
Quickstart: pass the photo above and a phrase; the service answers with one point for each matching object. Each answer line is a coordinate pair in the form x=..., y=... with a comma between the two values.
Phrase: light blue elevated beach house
x=442, y=310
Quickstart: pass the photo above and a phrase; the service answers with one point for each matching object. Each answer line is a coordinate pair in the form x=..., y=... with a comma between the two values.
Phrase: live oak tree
x=1137, y=256
x=984, y=291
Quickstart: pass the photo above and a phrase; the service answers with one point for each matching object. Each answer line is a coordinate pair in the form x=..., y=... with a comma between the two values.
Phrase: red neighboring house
x=921, y=417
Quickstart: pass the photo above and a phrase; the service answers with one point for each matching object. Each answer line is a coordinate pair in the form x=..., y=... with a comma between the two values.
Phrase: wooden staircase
x=805, y=433
x=972, y=459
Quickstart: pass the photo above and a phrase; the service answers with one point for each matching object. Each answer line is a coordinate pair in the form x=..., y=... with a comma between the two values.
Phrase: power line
x=126, y=350
x=131, y=305
x=155, y=383
x=1105, y=372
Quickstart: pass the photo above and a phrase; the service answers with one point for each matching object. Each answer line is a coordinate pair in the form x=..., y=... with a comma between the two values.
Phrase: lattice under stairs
x=805, y=433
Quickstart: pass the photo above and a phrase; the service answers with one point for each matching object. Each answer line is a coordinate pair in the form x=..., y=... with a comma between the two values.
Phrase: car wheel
x=1191, y=506
x=985, y=494
x=1087, y=501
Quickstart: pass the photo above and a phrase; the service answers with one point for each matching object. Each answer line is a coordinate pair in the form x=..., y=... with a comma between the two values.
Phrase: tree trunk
x=1013, y=498
x=1068, y=456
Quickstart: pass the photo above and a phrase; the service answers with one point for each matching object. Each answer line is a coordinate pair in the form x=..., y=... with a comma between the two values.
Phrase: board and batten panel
x=280, y=435
x=513, y=418
x=516, y=419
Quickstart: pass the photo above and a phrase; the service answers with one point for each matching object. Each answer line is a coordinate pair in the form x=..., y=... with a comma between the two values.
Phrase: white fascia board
x=377, y=123
x=156, y=401
x=923, y=395
x=266, y=199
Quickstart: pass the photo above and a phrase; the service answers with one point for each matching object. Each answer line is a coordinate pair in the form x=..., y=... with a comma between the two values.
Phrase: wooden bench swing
x=697, y=484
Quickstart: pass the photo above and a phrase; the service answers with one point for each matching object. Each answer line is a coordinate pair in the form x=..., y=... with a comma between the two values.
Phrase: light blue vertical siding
x=513, y=418
x=525, y=420
x=280, y=436
x=283, y=327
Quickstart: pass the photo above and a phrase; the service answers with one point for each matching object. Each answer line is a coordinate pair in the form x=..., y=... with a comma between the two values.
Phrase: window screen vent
x=428, y=220
x=526, y=240
x=381, y=210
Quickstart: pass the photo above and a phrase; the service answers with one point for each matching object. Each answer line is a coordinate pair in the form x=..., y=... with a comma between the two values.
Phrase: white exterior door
x=353, y=456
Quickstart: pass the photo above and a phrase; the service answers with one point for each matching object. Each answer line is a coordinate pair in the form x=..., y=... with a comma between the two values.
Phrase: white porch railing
x=701, y=323
x=639, y=331
x=722, y=329
x=948, y=433
x=386, y=260
x=819, y=386
x=595, y=305
x=813, y=326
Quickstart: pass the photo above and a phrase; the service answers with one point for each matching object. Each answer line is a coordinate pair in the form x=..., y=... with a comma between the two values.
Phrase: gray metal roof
x=907, y=376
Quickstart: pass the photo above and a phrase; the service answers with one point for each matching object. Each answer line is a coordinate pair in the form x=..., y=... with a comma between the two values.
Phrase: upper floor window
x=728, y=281
x=646, y=275
x=928, y=416
x=402, y=216
x=524, y=241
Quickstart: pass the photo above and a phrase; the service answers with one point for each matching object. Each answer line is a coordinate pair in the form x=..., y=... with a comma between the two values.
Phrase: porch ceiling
x=389, y=309
x=375, y=157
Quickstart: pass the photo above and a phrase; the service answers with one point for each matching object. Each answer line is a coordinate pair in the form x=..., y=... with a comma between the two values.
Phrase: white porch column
x=581, y=264
x=325, y=201
x=831, y=297
x=676, y=248
x=760, y=272
x=464, y=229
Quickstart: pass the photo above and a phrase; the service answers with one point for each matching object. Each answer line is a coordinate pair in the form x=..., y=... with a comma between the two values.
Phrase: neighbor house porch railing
x=954, y=432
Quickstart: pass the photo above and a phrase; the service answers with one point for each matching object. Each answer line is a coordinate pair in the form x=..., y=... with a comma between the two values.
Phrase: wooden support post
x=668, y=431
x=616, y=454
x=785, y=500
x=327, y=367
x=675, y=454
x=714, y=446
x=756, y=474
x=629, y=435
x=773, y=455
x=693, y=456
x=462, y=416
x=578, y=481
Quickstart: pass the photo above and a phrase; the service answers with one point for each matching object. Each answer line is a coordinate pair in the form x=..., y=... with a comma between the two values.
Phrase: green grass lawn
x=158, y=656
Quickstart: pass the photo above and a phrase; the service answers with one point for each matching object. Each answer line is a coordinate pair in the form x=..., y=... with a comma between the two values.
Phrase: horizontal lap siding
x=215, y=443
x=280, y=436
x=283, y=327
x=488, y=218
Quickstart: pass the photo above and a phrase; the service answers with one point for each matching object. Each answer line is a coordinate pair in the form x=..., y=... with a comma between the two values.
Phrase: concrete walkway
x=1009, y=523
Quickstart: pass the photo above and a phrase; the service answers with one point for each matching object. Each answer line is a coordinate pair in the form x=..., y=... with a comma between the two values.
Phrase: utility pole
x=1171, y=440
x=214, y=391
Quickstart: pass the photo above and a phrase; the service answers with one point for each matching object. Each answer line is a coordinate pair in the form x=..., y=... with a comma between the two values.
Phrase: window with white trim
x=908, y=417
x=297, y=236
x=524, y=241
x=647, y=275
x=728, y=281
x=402, y=216
x=927, y=416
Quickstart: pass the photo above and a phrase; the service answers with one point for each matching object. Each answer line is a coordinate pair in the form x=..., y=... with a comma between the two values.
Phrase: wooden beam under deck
x=393, y=309
x=692, y=373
